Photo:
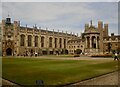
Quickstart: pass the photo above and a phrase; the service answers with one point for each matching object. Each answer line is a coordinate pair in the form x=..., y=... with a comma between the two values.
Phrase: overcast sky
x=66, y=16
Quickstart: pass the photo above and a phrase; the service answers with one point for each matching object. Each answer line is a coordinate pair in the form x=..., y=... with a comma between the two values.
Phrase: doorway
x=9, y=52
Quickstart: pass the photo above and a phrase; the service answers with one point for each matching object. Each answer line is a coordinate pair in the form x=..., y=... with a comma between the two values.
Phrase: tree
x=78, y=51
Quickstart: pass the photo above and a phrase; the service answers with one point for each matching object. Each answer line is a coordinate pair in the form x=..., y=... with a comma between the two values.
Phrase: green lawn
x=53, y=72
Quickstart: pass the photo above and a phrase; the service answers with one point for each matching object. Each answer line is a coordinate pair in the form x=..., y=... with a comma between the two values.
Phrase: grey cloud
x=62, y=15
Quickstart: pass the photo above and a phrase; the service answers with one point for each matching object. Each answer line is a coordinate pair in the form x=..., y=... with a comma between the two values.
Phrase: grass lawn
x=26, y=71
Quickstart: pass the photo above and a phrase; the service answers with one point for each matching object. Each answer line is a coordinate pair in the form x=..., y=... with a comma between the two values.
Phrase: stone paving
x=108, y=79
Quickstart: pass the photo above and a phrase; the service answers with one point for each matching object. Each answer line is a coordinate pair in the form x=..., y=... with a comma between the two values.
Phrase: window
x=22, y=40
x=64, y=43
x=55, y=42
x=36, y=41
x=60, y=42
x=42, y=41
x=29, y=40
x=50, y=42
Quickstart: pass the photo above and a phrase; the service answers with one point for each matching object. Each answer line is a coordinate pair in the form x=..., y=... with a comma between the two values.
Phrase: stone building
x=93, y=37
x=111, y=43
x=75, y=44
x=91, y=41
x=0, y=40
x=19, y=40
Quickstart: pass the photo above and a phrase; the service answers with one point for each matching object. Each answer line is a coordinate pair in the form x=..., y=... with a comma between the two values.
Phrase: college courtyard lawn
x=25, y=71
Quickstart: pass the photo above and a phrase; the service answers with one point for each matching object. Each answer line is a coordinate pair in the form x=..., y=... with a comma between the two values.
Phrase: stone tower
x=9, y=42
x=105, y=30
x=100, y=29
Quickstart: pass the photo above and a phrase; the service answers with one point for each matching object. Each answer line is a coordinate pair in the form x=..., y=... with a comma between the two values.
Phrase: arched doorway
x=9, y=52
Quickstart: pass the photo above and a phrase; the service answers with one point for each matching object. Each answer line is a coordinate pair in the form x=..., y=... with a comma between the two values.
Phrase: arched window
x=22, y=40
x=60, y=42
x=42, y=41
x=55, y=42
x=29, y=40
x=36, y=41
x=50, y=42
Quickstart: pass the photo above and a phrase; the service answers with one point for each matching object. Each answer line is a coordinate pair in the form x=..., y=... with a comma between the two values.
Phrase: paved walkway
x=65, y=58
x=6, y=82
x=108, y=79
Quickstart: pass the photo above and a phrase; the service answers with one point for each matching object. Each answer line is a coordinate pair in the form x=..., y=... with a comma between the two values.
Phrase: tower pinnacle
x=91, y=22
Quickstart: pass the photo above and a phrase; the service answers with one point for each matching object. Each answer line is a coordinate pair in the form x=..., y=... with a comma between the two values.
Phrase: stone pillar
x=53, y=42
x=96, y=42
x=33, y=40
x=86, y=43
x=39, y=41
x=26, y=40
x=62, y=43
x=90, y=41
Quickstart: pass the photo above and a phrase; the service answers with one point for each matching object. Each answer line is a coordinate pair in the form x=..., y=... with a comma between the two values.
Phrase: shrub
x=76, y=55
x=78, y=51
x=101, y=55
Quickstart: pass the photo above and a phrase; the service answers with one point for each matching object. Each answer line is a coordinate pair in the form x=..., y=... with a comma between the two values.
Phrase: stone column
x=26, y=40
x=90, y=41
x=86, y=43
x=62, y=43
x=39, y=41
x=33, y=41
x=96, y=42
x=53, y=42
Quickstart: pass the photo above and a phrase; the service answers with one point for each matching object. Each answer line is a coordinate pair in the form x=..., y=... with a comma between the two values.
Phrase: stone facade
x=91, y=40
x=19, y=40
x=75, y=44
x=93, y=37
x=111, y=43
x=0, y=40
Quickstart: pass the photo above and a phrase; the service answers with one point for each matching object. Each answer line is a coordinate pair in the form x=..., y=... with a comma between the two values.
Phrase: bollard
x=39, y=82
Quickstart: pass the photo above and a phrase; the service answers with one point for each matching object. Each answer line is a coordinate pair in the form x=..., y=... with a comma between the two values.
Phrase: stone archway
x=93, y=42
x=9, y=52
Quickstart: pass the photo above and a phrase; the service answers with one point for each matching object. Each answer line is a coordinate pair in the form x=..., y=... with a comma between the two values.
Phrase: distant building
x=19, y=40
x=93, y=37
x=94, y=40
x=75, y=44
x=111, y=43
